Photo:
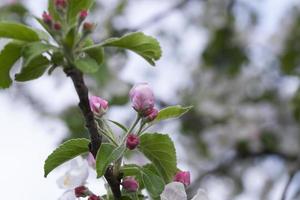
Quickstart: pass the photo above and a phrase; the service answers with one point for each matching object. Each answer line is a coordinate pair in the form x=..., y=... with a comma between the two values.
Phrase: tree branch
x=84, y=105
x=96, y=137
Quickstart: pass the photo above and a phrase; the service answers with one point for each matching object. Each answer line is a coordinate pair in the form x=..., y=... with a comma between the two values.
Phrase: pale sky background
x=26, y=140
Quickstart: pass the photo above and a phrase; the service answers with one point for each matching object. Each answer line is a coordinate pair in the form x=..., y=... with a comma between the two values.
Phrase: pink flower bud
x=57, y=26
x=132, y=141
x=60, y=4
x=88, y=27
x=94, y=197
x=151, y=114
x=47, y=18
x=142, y=97
x=81, y=191
x=183, y=177
x=130, y=184
x=98, y=105
x=83, y=14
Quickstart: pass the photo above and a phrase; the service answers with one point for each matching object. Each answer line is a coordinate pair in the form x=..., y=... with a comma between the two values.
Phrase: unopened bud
x=83, y=14
x=81, y=191
x=142, y=98
x=47, y=18
x=183, y=177
x=130, y=184
x=98, y=105
x=151, y=114
x=60, y=4
x=132, y=141
x=94, y=197
x=57, y=26
x=88, y=27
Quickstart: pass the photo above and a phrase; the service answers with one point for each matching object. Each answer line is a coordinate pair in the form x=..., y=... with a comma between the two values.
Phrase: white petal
x=174, y=191
x=68, y=195
x=201, y=195
x=76, y=176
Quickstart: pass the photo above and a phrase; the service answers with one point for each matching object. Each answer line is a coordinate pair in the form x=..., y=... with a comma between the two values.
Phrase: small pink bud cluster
x=98, y=105
x=132, y=141
x=143, y=100
x=183, y=177
x=47, y=18
x=83, y=15
x=83, y=191
x=130, y=184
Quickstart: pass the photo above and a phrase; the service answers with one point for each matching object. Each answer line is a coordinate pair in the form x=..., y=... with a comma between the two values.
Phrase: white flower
x=76, y=176
x=201, y=195
x=68, y=195
x=176, y=191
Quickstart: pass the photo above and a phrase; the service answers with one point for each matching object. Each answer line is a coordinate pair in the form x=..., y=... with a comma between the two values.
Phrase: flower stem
x=131, y=128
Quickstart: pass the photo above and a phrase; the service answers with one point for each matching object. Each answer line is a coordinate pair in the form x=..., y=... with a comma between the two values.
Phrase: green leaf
x=160, y=150
x=146, y=178
x=18, y=32
x=8, y=56
x=33, y=50
x=65, y=152
x=107, y=154
x=153, y=183
x=97, y=54
x=171, y=112
x=146, y=46
x=34, y=69
x=70, y=38
x=87, y=65
x=74, y=8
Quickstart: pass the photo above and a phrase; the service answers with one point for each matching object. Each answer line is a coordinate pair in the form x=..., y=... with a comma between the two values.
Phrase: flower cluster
x=61, y=7
x=143, y=102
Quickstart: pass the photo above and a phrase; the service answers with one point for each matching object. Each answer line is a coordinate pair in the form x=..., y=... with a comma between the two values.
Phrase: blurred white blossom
x=176, y=191
x=75, y=176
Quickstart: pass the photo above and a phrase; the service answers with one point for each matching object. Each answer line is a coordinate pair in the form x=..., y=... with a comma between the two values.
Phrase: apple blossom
x=142, y=98
x=176, y=191
x=183, y=177
x=98, y=105
x=68, y=195
x=151, y=114
x=76, y=176
x=91, y=160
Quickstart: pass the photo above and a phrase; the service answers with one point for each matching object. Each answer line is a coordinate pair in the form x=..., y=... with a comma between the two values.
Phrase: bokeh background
x=236, y=61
